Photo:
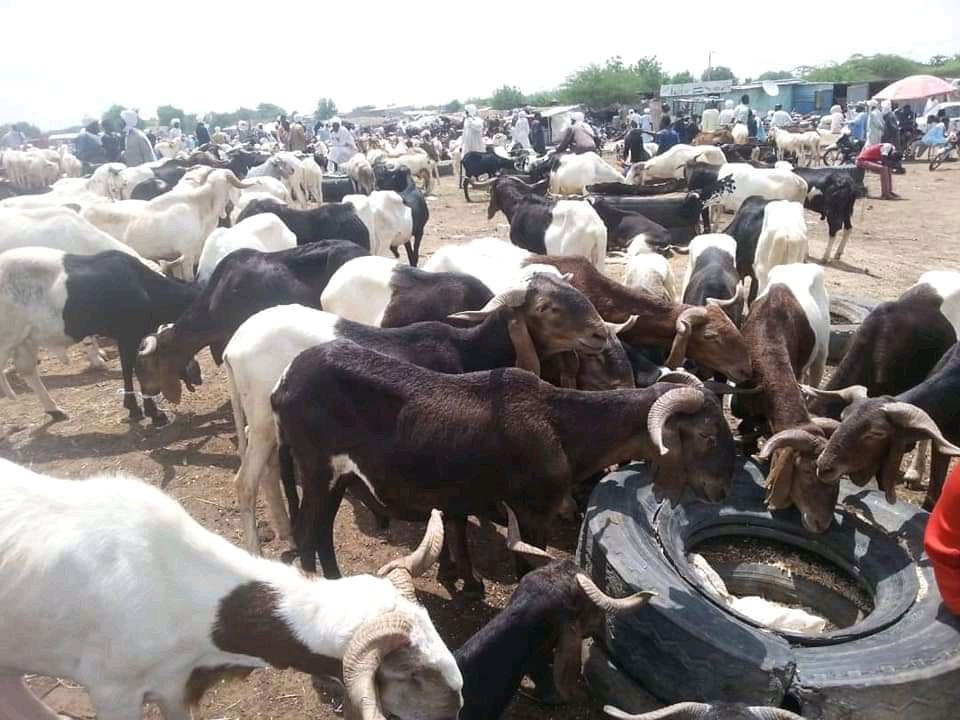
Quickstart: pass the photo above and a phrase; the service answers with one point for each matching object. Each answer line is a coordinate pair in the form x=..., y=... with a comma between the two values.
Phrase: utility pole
x=709, y=65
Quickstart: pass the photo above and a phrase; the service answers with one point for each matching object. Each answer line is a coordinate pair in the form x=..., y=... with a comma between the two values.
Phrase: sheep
x=570, y=174
x=175, y=606
x=505, y=332
x=361, y=172
x=311, y=181
x=700, y=244
x=54, y=299
x=788, y=331
x=671, y=163
x=414, y=436
x=249, y=196
x=400, y=181
x=625, y=227
x=555, y=227
x=788, y=142
x=114, y=218
x=177, y=223
x=772, y=184
x=740, y=133
x=783, y=238
x=495, y=262
x=388, y=219
x=711, y=276
x=244, y=282
x=420, y=165
x=265, y=233
x=650, y=272
x=745, y=229
x=381, y=292
x=333, y=221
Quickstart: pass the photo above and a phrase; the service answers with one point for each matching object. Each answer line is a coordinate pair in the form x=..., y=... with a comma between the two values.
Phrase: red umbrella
x=916, y=87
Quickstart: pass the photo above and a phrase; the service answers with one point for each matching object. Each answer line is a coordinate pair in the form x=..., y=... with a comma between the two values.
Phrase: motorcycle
x=843, y=152
x=953, y=143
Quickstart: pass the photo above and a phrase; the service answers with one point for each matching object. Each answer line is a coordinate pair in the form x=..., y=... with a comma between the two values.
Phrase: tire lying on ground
x=850, y=311
x=902, y=660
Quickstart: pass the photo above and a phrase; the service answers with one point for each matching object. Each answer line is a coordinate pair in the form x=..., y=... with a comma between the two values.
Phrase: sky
x=60, y=62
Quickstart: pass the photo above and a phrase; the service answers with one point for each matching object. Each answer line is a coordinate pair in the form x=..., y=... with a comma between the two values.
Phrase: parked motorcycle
x=843, y=152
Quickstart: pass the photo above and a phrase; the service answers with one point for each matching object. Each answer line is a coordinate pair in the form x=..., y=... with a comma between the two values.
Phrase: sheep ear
x=780, y=481
x=526, y=352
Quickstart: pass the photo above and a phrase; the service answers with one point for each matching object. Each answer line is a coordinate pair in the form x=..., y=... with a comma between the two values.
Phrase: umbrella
x=916, y=87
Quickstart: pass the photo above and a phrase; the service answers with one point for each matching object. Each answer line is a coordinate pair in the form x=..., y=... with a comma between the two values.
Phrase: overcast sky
x=60, y=62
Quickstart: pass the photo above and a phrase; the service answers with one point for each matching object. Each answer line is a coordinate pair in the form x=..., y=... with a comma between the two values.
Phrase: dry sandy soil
x=194, y=458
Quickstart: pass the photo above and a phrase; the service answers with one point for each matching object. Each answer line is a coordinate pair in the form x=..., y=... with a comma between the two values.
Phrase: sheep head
x=793, y=480
x=708, y=336
x=160, y=367
x=872, y=437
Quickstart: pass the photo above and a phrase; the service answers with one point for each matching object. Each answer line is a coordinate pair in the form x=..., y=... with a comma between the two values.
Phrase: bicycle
x=953, y=143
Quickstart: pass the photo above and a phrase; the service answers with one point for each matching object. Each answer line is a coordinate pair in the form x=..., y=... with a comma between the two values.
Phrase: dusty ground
x=195, y=458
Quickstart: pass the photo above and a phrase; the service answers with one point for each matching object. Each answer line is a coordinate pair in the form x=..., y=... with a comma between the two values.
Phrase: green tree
x=775, y=75
x=506, y=97
x=684, y=76
x=453, y=106
x=166, y=113
x=542, y=98
x=269, y=111
x=649, y=74
x=612, y=83
x=326, y=109
x=718, y=72
x=29, y=130
x=112, y=115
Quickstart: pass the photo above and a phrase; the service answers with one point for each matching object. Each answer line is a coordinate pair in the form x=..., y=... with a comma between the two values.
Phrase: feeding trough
x=886, y=651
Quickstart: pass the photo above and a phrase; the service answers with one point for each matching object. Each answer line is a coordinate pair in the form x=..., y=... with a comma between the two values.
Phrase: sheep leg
x=127, y=359
x=844, y=236
x=938, y=473
x=116, y=704
x=455, y=531
x=914, y=474
x=19, y=703
x=253, y=464
x=318, y=535
x=273, y=492
x=25, y=361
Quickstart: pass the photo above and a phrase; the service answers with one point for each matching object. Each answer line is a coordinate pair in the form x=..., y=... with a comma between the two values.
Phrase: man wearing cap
x=137, y=149
x=579, y=137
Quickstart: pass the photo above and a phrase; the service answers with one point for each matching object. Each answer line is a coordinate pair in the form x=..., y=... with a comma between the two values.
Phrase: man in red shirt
x=880, y=158
x=942, y=542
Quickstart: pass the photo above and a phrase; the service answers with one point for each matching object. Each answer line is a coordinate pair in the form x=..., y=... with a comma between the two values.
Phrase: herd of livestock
x=499, y=380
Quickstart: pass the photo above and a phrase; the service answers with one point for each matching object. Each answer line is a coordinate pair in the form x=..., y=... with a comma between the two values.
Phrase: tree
x=269, y=111
x=29, y=130
x=363, y=108
x=542, y=98
x=612, y=83
x=684, y=76
x=166, y=113
x=453, y=106
x=775, y=75
x=506, y=97
x=326, y=109
x=112, y=116
x=718, y=72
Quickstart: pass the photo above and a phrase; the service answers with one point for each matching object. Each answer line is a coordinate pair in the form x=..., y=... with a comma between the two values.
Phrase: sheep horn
x=849, y=395
x=167, y=264
x=402, y=570
x=686, y=400
x=617, y=328
x=511, y=297
x=801, y=440
x=681, y=377
x=517, y=545
x=232, y=179
x=828, y=425
x=688, y=318
x=149, y=345
x=679, y=249
x=679, y=711
x=729, y=302
x=370, y=644
x=772, y=713
x=905, y=415
x=609, y=604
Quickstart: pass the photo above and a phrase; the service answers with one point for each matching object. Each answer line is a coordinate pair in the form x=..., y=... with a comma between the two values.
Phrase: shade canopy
x=916, y=87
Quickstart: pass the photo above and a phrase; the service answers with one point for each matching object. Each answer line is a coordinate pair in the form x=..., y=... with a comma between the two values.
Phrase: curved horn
x=729, y=302
x=483, y=183
x=370, y=644
x=149, y=345
x=237, y=183
x=772, y=713
x=684, y=400
x=402, y=570
x=849, y=395
x=511, y=297
x=827, y=425
x=799, y=439
x=515, y=544
x=905, y=415
x=610, y=604
x=681, y=377
x=679, y=711
x=685, y=323
x=679, y=249
x=617, y=328
x=165, y=265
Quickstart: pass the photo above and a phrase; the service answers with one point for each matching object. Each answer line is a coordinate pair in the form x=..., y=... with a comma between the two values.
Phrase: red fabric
x=942, y=542
x=871, y=153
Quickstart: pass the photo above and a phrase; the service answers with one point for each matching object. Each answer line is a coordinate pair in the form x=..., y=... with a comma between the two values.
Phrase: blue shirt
x=858, y=126
x=666, y=139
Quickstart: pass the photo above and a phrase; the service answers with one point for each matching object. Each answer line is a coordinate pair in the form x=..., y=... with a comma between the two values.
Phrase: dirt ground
x=194, y=458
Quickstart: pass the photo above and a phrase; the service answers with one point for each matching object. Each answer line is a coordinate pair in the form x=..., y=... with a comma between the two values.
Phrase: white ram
x=782, y=241
x=264, y=232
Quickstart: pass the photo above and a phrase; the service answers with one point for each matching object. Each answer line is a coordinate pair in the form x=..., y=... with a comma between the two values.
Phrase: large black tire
x=902, y=660
x=337, y=187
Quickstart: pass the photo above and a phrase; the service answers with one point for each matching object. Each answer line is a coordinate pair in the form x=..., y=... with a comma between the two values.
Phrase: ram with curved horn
x=876, y=432
x=787, y=331
x=460, y=443
x=706, y=711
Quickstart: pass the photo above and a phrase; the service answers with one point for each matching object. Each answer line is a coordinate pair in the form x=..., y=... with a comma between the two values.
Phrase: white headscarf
x=470, y=109
x=129, y=118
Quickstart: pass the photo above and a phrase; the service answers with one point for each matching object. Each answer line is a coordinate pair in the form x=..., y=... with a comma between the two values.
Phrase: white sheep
x=575, y=172
x=496, y=263
x=109, y=582
x=783, y=239
x=360, y=289
x=672, y=163
x=361, y=172
x=649, y=271
x=388, y=220
x=264, y=232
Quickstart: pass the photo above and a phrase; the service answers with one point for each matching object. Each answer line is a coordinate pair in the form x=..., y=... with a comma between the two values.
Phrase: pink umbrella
x=916, y=87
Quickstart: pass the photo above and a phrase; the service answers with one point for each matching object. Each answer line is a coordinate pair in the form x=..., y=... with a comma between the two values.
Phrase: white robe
x=710, y=120
x=472, y=136
x=521, y=133
x=342, y=145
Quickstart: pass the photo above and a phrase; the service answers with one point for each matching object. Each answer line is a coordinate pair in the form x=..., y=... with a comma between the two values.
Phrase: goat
x=243, y=283
x=475, y=164
x=388, y=219
x=379, y=291
x=415, y=436
x=514, y=328
x=711, y=276
x=832, y=193
x=212, y=608
x=54, y=299
x=400, y=181
x=783, y=238
x=745, y=229
x=555, y=227
x=772, y=184
x=333, y=221
x=361, y=172
x=788, y=332
x=265, y=232
x=625, y=227
x=875, y=432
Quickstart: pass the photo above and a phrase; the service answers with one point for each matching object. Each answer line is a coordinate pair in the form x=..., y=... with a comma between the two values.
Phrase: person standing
x=174, y=133
x=633, y=119
x=578, y=137
x=633, y=149
x=646, y=122
x=891, y=128
x=726, y=115
x=538, y=134
x=472, y=140
x=298, y=135
x=836, y=120
x=137, y=148
x=12, y=139
x=858, y=125
x=667, y=137
x=520, y=133
x=342, y=145
x=203, y=135
x=710, y=118
x=941, y=540
x=88, y=147
x=781, y=118
x=874, y=124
